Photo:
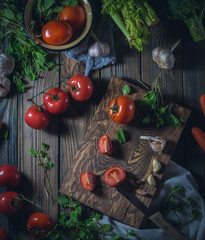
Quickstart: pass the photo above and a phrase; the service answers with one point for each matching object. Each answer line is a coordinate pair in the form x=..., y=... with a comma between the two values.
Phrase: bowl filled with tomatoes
x=58, y=25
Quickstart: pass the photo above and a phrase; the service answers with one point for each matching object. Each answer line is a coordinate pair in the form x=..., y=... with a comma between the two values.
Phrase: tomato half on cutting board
x=88, y=180
x=105, y=145
x=114, y=176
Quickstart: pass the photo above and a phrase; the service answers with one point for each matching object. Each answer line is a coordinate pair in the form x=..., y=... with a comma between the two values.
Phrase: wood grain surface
x=135, y=157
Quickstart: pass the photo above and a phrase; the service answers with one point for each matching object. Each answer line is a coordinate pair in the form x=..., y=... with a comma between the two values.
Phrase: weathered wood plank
x=134, y=156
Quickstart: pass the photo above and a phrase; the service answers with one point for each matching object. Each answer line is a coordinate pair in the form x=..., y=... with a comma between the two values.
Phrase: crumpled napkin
x=174, y=175
x=104, y=33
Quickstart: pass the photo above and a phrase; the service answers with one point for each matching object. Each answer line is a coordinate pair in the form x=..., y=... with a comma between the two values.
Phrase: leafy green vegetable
x=191, y=12
x=46, y=165
x=121, y=136
x=133, y=19
x=154, y=111
x=74, y=225
x=126, y=89
x=29, y=57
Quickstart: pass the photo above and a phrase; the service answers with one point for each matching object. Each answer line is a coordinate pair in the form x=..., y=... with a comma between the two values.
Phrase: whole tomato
x=56, y=32
x=114, y=176
x=75, y=16
x=56, y=100
x=3, y=234
x=121, y=109
x=37, y=117
x=9, y=176
x=39, y=224
x=105, y=145
x=199, y=135
x=80, y=87
x=202, y=103
x=88, y=180
x=10, y=203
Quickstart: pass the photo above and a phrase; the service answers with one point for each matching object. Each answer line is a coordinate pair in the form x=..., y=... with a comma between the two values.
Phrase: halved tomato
x=105, y=145
x=88, y=180
x=114, y=176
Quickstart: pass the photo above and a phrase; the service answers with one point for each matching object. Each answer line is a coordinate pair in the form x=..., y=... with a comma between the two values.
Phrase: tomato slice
x=88, y=180
x=114, y=176
x=105, y=145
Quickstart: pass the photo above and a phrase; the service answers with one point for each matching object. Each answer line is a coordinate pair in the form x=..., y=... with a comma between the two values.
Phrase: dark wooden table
x=183, y=85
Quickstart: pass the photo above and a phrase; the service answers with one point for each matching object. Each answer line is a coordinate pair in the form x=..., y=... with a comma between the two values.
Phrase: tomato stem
x=115, y=107
x=40, y=109
x=27, y=200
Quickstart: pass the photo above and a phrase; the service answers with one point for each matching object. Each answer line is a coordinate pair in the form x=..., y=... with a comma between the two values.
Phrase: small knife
x=156, y=218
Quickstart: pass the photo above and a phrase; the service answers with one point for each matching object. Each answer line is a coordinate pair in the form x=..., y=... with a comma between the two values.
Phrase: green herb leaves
x=154, y=111
x=175, y=202
x=29, y=57
x=121, y=136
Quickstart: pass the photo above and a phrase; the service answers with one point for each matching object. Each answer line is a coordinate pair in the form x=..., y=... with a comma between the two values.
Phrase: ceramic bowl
x=28, y=17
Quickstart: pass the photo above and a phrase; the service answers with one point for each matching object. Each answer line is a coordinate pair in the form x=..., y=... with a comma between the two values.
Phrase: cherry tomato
x=3, y=234
x=9, y=176
x=37, y=118
x=121, y=109
x=80, y=87
x=75, y=16
x=199, y=135
x=88, y=180
x=105, y=145
x=202, y=103
x=114, y=176
x=56, y=32
x=39, y=224
x=56, y=100
x=10, y=203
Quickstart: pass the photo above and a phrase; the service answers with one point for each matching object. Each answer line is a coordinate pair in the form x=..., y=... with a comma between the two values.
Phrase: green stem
x=27, y=200
x=49, y=186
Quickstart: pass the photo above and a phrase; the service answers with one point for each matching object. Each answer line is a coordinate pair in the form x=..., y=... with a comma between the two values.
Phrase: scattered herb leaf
x=126, y=89
x=121, y=136
x=6, y=134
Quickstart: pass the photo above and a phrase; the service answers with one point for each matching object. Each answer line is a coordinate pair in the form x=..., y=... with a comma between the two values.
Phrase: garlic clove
x=151, y=180
x=7, y=63
x=141, y=192
x=99, y=49
x=156, y=165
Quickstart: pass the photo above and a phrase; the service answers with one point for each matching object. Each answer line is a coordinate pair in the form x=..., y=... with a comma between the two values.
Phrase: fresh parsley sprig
x=154, y=111
x=43, y=162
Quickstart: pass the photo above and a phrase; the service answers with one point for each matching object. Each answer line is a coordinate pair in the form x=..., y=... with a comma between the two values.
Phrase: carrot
x=202, y=102
x=199, y=135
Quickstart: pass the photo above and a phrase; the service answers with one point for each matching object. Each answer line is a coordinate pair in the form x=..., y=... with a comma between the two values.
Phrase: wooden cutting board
x=135, y=157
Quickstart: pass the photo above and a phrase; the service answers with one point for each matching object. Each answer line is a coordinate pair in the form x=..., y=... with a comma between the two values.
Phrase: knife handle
x=158, y=219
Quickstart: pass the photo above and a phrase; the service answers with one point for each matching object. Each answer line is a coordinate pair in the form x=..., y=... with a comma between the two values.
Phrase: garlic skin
x=99, y=49
x=7, y=63
x=163, y=57
x=156, y=166
x=5, y=84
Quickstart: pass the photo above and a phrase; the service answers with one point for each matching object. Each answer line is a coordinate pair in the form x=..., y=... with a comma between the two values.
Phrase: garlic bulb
x=99, y=49
x=7, y=63
x=4, y=85
x=163, y=57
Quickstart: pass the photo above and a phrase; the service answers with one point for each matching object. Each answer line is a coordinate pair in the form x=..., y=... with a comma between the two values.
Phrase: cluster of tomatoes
x=38, y=224
x=56, y=101
x=70, y=24
x=121, y=110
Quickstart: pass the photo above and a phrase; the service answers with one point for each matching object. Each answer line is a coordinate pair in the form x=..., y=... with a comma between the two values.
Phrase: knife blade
x=156, y=217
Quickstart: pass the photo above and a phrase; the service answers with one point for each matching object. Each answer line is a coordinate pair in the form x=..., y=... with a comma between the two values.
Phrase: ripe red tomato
x=105, y=145
x=9, y=176
x=56, y=100
x=37, y=118
x=10, y=203
x=3, y=234
x=75, y=16
x=202, y=103
x=114, y=176
x=80, y=87
x=199, y=135
x=56, y=32
x=88, y=180
x=39, y=224
x=121, y=109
